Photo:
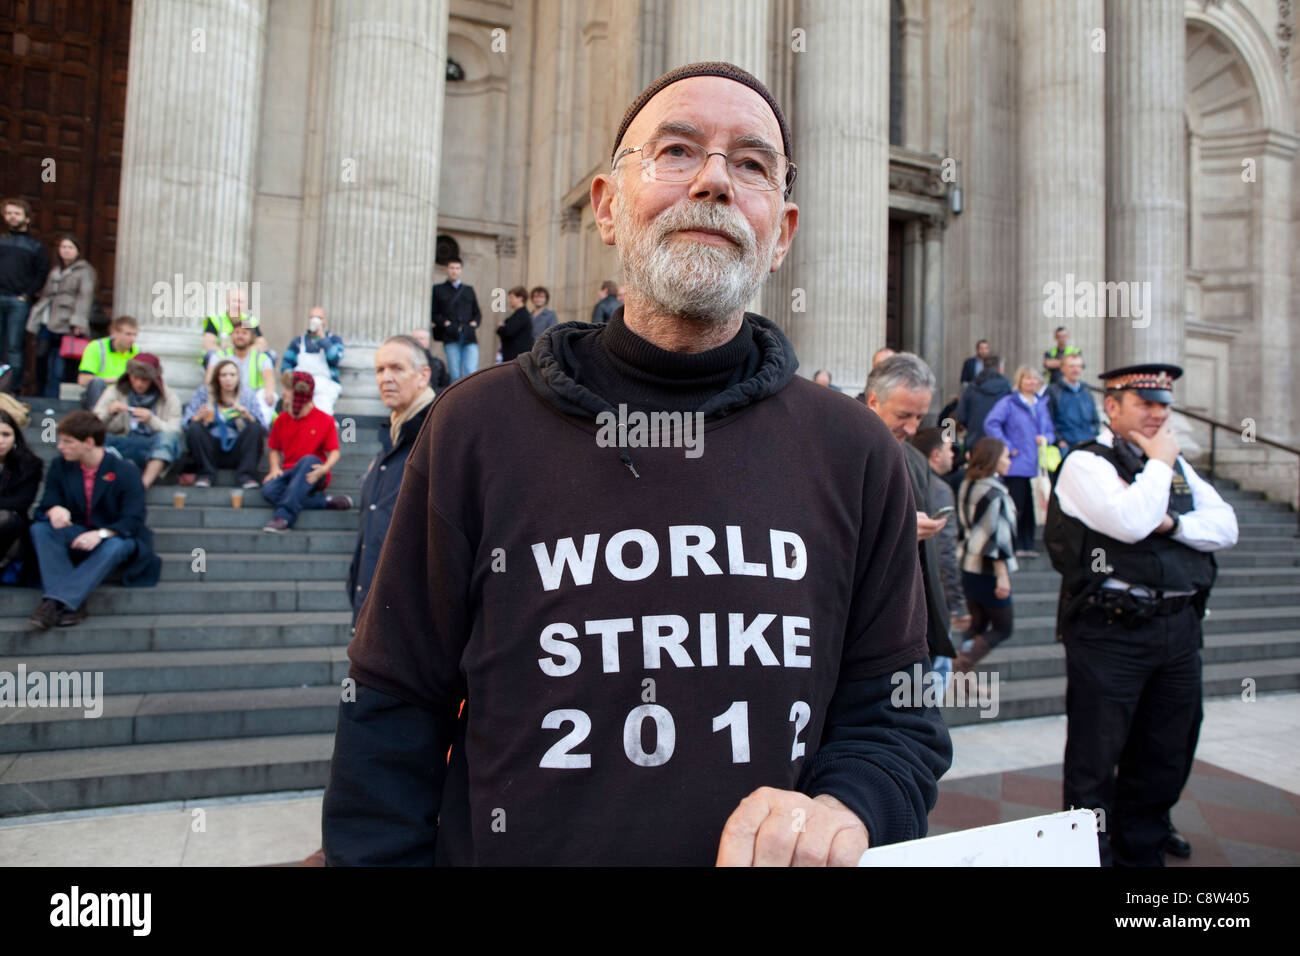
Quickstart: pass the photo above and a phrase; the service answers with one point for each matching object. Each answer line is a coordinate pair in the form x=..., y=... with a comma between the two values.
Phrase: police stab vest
x=1085, y=558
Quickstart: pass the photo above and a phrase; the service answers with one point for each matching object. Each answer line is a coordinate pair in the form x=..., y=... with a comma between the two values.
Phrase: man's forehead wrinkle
x=752, y=116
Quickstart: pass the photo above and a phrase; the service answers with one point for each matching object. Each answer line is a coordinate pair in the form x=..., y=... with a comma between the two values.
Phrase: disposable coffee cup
x=236, y=497
x=178, y=499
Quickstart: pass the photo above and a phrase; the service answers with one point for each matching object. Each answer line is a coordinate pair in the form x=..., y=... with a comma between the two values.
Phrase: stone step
x=1014, y=661
x=135, y=633
x=152, y=672
x=196, y=598
x=1045, y=581
x=162, y=717
x=1046, y=696
x=163, y=497
x=216, y=516
x=1041, y=629
x=1258, y=559
x=258, y=567
x=1039, y=603
x=147, y=773
x=253, y=540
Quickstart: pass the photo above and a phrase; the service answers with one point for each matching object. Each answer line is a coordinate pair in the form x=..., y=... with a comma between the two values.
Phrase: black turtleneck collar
x=622, y=367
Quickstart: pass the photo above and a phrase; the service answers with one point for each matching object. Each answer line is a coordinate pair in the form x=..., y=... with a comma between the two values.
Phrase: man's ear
x=789, y=226
x=604, y=193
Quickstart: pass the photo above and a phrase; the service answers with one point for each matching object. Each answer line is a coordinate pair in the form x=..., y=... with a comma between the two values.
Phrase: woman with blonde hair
x=1022, y=422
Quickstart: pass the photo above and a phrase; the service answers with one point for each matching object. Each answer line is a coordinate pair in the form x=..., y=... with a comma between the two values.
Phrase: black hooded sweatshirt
x=642, y=635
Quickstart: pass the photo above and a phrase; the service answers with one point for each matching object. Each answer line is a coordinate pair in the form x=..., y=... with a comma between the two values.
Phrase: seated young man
x=90, y=520
x=105, y=359
x=304, y=446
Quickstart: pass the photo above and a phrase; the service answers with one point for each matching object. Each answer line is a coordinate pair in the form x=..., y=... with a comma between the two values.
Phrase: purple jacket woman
x=1018, y=426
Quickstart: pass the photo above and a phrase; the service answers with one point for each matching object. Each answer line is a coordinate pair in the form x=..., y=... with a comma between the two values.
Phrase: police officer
x=1132, y=529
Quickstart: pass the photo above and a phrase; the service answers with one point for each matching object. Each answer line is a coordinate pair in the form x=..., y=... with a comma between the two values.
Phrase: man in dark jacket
x=516, y=330
x=975, y=364
x=1071, y=405
x=455, y=319
x=24, y=264
x=899, y=390
x=402, y=375
x=91, y=519
x=604, y=310
x=667, y=652
x=979, y=397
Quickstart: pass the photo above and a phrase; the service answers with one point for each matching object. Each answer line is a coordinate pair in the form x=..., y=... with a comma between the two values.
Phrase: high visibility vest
x=225, y=327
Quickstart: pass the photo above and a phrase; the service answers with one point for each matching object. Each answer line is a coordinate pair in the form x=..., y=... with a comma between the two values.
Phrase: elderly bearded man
x=664, y=659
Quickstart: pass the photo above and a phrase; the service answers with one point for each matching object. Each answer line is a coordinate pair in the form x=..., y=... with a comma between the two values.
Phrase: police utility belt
x=1133, y=606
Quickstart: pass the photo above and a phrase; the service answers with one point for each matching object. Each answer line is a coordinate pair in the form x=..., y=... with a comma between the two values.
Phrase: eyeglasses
x=680, y=161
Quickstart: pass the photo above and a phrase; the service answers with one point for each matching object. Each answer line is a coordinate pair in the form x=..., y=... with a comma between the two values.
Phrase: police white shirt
x=1091, y=490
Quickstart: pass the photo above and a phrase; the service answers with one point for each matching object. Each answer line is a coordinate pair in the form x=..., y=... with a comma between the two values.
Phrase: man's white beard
x=689, y=279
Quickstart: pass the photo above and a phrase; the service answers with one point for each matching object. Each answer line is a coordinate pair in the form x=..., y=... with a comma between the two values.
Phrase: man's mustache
x=705, y=217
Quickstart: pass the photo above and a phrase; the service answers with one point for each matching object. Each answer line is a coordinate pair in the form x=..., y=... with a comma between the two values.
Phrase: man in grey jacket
x=930, y=443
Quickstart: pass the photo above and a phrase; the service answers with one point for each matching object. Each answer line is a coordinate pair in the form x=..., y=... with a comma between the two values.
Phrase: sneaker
x=276, y=525
x=340, y=503
x=250, y=484
x=72, y=618
x=204, y=482
x=46, y=615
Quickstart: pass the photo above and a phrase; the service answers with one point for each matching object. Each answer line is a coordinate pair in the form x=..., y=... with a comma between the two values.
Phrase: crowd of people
x=455, y=316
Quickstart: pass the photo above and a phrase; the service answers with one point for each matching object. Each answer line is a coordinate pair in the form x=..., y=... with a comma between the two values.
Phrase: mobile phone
x=942, y=513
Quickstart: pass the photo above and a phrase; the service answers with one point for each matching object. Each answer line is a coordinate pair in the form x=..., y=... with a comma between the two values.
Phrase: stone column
x=1146, y=250
x=931, y=344
x=841, y=140
x=380, y=185
x=194, y=95
x=731, y=30
x=1062, y=170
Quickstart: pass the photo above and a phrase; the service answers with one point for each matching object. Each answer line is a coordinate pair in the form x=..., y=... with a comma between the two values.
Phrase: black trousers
x=208, y=455
x=1133, y=709
x=1022, y=495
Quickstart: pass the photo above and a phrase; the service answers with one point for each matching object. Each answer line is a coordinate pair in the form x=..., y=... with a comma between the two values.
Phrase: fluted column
x=380, y=194
x=732, y=30
x=931, y=339
x=194, y=94
x=841, y=141
x=1147, y=210
x=1062, y=163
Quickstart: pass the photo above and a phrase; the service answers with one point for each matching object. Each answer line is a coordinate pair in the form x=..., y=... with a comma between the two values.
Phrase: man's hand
x=1166, y=524
x=1041, y=440
x=116, y=406
x=784, y=828
x=141, y=414
x=273, y=474
x=60, y=517
x=268, y=395
x=316, y=473
x=961, y=623
x=927, y=527
x=1003, y=589
x=86, y=541
x=1162, y=444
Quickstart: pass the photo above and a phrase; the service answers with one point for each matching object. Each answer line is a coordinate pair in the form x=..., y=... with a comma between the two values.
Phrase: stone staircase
x=1252, y=630
x=225, y=679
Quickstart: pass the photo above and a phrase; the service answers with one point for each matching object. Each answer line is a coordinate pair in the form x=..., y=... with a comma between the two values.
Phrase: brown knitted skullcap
x=727, y=71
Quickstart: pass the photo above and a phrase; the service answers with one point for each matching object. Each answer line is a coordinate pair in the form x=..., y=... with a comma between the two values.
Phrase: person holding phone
x=988, y=521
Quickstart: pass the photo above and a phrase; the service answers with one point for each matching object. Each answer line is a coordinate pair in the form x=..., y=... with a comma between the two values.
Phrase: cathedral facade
x=967, y=169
